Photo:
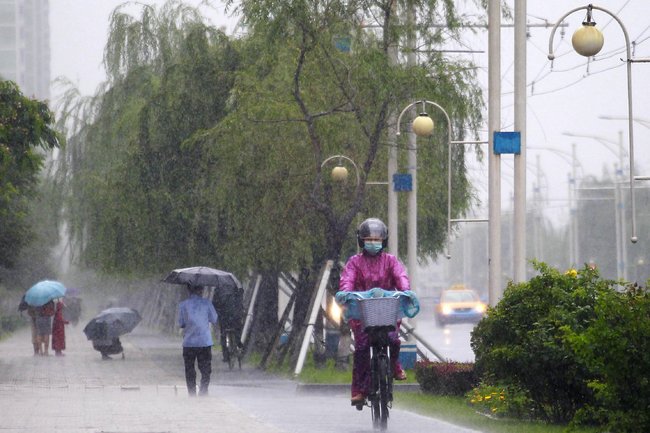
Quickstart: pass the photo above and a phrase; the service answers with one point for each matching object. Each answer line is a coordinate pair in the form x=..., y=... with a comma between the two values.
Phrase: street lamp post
x=422, y=126
x=588, y=41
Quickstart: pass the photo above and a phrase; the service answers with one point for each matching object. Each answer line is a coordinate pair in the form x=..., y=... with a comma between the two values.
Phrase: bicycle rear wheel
x=230, y=349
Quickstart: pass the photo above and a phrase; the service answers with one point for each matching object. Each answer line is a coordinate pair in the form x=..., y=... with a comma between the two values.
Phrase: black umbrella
x=111, y=323
x=203, y=276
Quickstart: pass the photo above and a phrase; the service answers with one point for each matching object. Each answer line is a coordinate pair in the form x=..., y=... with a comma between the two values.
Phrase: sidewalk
x=145, y=393
x=81, y=393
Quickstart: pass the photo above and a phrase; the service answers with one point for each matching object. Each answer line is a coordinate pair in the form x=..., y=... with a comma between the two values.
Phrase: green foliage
x=575, y=346
x=26, y=127
x=446, y=378
x=521, y=342
x=616, y=348
x=500, y=401
x=140, y=189
x=202, y=149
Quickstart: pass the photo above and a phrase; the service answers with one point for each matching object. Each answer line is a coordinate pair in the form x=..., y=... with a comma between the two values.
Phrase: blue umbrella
x=43, y=292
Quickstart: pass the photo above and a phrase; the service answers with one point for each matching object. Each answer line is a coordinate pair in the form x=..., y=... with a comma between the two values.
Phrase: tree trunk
x=265, y=318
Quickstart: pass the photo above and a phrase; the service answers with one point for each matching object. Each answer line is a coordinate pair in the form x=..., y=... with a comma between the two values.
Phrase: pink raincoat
x=363, y=272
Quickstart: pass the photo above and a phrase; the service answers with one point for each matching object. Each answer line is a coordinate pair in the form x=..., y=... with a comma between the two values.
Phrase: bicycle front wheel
x=374, y=395
x=384, y=392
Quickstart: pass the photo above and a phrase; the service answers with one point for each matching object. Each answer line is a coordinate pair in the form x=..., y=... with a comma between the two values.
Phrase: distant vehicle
x=459, y=304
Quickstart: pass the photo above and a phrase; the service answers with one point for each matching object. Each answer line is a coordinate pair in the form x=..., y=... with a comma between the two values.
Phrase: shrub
x=521, y=342
x=616, y=347
x=446, y=378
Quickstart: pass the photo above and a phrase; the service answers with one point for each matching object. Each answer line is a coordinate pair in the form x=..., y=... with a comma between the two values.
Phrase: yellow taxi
x=459, y=304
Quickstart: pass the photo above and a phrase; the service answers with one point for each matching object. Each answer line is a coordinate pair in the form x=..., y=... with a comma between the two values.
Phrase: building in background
x=25, y=45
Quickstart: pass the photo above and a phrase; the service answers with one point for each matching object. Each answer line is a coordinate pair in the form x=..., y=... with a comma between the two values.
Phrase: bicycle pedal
x=359, y=407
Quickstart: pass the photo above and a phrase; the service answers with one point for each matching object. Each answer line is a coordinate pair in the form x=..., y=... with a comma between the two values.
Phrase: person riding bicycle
x=229, y=303
x=372, y=267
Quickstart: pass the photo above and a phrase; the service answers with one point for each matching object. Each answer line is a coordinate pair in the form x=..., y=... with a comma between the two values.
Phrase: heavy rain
x=189, y=193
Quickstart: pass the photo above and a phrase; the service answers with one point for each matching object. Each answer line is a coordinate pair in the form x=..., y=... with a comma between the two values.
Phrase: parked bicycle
x=232, y=348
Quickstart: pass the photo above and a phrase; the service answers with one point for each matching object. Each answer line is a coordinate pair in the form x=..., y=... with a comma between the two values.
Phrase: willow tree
x=136, y=189
x=299, y=99
x=201, y=149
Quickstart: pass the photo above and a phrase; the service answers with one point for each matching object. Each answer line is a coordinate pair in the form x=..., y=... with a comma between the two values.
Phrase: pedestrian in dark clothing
x=108, y=346
x=194, y=317
x=229, y=304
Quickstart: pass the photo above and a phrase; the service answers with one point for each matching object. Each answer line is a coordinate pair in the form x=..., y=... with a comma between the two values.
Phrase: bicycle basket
x=379, y=311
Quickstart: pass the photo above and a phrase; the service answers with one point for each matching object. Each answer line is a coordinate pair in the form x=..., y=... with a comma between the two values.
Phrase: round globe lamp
x=587, y=40
x=423, y=125
x=339, y=173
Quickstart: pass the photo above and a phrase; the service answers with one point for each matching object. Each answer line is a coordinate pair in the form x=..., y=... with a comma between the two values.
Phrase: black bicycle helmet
x=372, y=228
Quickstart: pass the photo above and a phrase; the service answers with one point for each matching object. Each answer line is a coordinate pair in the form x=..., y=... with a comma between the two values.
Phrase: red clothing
x=364, y=272
x=58, y=329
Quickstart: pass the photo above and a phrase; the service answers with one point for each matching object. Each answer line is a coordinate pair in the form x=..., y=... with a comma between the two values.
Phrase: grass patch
x=311, y=373
x=330, y=374
x=327, y=374
x=455, y=410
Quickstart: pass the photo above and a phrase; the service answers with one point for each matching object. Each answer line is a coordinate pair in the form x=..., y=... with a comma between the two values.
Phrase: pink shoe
x=357, y=399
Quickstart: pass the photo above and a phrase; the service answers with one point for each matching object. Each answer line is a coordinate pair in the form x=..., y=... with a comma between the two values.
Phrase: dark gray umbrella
x=111, y=323
x=203, y=276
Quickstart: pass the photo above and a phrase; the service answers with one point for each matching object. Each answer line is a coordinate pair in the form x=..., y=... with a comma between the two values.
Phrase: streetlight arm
x=551, y=54
x=350, y=160
x=642, y=122
x=399, y=118
x=604, y=141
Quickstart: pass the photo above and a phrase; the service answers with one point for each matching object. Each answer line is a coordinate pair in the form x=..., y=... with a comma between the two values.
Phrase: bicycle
x=232, y=348
x=379, y=317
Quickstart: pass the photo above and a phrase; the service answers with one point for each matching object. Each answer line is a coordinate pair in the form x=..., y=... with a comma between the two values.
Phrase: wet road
x=451, y=341
x=146, y=393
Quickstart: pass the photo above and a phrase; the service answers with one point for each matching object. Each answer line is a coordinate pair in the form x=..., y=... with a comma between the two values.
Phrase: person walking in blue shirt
x=194, y=317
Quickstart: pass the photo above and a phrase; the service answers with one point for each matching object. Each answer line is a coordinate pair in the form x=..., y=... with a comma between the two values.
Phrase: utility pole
x=412, y=204
x=494, y=160
x=519, y=244
x=393, y=235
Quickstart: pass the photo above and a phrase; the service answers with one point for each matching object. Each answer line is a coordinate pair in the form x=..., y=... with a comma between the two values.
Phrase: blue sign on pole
x=343, y=43
x=507, y=142
x=402, y=182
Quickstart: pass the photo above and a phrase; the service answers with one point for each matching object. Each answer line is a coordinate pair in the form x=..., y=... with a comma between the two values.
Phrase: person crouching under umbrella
x=107, y=345
x=194, y=317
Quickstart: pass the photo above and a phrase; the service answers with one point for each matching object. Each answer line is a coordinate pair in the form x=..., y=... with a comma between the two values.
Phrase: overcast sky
x=571, y=98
